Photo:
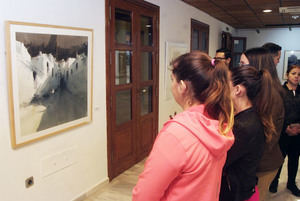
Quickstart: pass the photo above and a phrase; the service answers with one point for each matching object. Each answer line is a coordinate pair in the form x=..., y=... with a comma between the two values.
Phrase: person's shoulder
x=174, y=128
x=249, y=114
x=298, y=90
x=284, y=86
x=247, y=123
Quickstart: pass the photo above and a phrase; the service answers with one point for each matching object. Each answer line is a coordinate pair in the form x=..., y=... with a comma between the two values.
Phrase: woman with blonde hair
x=189, y=152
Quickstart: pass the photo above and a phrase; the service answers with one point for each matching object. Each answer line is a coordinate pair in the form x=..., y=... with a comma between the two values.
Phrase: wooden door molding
x=140, y=144
x=202, y=28
x=237, y=54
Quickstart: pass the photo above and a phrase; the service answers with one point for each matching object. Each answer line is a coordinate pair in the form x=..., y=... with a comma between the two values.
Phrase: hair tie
x=213, y=62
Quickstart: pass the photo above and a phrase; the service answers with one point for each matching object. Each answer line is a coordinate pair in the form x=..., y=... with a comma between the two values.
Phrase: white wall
x=88, y=143
x=288, y=40
x=175, y=26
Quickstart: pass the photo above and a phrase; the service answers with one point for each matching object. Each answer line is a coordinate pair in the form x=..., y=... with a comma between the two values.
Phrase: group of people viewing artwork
x=237, y=126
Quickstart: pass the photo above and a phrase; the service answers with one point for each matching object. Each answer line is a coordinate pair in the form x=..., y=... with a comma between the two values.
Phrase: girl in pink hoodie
x=188, y=155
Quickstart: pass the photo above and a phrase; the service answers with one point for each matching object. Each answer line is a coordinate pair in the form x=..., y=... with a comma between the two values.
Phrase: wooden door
x=132, y=81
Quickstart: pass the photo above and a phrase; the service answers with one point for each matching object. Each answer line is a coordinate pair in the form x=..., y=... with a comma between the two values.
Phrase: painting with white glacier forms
x=50, y=77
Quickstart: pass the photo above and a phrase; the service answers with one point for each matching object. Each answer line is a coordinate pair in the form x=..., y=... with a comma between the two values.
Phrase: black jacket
x=239, y=173
x=292, y=115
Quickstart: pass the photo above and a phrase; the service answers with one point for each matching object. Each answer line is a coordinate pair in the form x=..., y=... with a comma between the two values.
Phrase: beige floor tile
x=119, y=189
x=283, y=193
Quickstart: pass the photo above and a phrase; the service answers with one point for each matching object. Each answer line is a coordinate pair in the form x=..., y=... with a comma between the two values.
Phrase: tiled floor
x=283, y=193
x=120, y=188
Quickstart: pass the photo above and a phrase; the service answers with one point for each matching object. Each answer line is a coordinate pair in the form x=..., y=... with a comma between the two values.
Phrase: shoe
x=273, y=186
x=294, y=189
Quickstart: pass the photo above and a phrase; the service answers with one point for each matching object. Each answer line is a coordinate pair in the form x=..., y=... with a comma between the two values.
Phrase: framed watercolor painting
x=173, y=50
x=49, y=79
x=291, y=57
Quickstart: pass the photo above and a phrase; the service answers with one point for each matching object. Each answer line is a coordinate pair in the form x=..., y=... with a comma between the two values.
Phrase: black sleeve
x=240, y=146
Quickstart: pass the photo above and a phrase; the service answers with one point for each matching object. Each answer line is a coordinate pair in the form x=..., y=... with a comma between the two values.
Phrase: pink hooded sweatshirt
x=186, y=160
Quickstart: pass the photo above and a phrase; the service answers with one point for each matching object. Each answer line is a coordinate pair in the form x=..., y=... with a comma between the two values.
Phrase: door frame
x=108, y=16
x=235, y=54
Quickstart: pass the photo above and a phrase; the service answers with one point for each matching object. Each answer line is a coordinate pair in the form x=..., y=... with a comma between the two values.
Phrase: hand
x=292, y=130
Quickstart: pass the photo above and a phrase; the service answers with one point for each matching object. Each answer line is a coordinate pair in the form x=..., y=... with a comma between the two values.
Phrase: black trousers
x=290, y=148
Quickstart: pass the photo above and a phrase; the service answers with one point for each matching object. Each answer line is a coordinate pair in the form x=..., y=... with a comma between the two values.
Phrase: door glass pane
x=123, y=106
x=123, y=26
x=203, y=41
x=195, y=40
x=236, y=60
x=146, y=100
x=146, y=31
x=238, y=45
x=146, y=66
x=123, y=67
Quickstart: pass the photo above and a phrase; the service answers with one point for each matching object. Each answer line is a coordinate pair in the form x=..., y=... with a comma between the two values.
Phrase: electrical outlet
x=29, y=182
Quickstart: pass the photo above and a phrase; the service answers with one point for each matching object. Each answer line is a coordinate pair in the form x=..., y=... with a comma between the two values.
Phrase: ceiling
x=247, y=14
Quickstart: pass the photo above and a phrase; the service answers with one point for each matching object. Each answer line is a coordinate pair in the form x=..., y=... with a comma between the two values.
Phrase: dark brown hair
x=291, y=67
x=272, y=48
x=210, y=85
x=258, y=85
x=260, y=58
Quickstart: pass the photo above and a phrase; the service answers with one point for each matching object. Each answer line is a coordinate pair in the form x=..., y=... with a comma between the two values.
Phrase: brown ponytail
x=218, y=103
x=210, y=83
x=259, y=87
x=264, y=104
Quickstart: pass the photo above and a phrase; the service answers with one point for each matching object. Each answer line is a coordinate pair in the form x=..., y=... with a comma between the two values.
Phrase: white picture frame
x=290, y=57
x=173, y=50
x=49, y=79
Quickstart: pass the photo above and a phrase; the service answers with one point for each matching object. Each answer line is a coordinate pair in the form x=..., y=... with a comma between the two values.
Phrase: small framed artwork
x=291, y=57
x=49, y=79
x=173, y=50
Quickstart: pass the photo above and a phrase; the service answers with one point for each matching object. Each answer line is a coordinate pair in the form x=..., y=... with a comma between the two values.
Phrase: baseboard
x=92, y=190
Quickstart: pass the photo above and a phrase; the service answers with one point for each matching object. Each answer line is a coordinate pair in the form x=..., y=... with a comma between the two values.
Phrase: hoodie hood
x=206, y=130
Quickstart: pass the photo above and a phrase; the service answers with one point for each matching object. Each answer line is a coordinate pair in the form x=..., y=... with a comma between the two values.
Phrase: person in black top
x=272, y=158
x=251, y=93
x=290, y=139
